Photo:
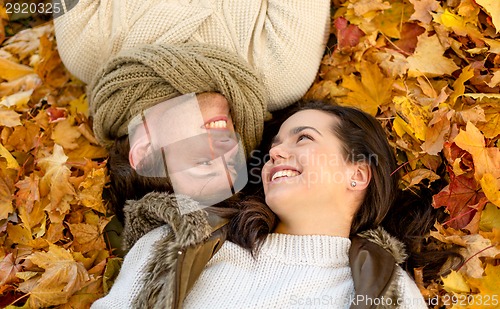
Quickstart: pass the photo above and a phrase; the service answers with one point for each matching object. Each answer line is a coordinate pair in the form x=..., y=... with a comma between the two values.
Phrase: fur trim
x=391, y=244
x=153, y=210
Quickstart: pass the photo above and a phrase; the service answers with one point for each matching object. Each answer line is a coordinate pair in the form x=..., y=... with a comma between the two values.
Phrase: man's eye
x=206, y=163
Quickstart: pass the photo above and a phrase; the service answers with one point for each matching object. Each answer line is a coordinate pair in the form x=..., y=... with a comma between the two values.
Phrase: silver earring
x=353, y=183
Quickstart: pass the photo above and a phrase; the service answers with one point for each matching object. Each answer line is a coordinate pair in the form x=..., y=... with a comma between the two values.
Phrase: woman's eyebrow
x=294, y=131
x=297, y=130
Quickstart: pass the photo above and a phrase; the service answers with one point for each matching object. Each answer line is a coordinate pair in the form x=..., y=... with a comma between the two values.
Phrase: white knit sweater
x=283, y=40
x=290, y=271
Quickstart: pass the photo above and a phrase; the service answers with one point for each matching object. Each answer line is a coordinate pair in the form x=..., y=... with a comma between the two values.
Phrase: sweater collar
x=317, y=250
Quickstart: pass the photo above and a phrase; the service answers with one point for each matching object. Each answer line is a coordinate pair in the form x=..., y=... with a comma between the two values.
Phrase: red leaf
x=347, y=35
x=461, y=198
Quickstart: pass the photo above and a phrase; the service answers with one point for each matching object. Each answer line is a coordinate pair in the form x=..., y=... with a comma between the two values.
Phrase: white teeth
x=220, y=124
x=284, y=173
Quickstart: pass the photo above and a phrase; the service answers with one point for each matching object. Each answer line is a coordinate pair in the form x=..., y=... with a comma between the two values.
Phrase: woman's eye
x=303, y=137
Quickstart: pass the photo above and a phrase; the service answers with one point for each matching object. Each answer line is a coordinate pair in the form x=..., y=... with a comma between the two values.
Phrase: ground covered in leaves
x=427, y=69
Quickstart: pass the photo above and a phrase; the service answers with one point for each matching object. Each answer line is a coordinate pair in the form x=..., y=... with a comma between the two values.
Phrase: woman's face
x=306, y=174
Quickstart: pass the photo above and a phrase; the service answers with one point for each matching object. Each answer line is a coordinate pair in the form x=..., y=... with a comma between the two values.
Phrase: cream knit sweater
x=290, y=271
x=283, y=40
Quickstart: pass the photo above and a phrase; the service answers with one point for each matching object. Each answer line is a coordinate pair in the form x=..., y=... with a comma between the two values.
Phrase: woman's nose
x=278, y=152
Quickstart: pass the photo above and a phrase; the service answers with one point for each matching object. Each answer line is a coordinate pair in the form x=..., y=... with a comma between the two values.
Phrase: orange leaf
x=486, y=160
x=56, y=178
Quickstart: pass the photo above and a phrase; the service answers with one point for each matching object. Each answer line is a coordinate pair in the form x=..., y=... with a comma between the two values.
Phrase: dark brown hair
x=406, y=215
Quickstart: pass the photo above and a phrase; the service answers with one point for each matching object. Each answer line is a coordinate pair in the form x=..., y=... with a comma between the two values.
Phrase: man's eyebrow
x=294, y=131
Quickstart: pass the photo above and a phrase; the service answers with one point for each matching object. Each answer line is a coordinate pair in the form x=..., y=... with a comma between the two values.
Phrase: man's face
x=192, y=140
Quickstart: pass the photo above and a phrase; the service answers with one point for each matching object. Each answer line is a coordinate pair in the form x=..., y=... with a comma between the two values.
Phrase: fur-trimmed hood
x=373, y=254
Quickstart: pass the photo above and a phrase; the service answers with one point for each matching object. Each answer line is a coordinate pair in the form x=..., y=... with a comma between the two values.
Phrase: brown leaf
x=413, y=178
x=8, y=269
x=50, y=68
x=89, y=236
x=6, y=190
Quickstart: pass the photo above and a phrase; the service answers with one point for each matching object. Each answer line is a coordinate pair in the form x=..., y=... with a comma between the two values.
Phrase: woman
x=329, y=185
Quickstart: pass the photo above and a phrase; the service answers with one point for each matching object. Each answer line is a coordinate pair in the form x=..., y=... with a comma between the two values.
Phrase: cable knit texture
x=290, y=271
x=141, y=77
x=283, y=40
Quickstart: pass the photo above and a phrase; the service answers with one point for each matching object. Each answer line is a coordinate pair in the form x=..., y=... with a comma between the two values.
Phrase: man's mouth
x=216, y=123
x=284, y=174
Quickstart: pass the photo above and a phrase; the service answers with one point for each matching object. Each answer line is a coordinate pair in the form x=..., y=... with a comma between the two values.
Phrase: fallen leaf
x=461, y=198
x=90, y=190
x=8, y=269
x=63, y=276
x=458, y=86
x=428, y=58
x=492, y=7
x=369, y=93
x=56, y=176
x=423, y=9
x=414, y=177
x=477, y=247
x=6, y=190
x=65, y=134
x=490, y=218
x=456, y=283
x=9, y=118
x=10, y=70
x=486, y=159
x=491, y=188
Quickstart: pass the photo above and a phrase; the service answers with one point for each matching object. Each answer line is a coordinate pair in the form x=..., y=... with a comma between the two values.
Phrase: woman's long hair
x=406, y=215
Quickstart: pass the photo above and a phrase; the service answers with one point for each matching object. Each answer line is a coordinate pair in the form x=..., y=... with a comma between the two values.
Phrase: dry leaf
x=492, y=7
x=423, y=9
x=372, y=91
x=428, y=58
x=63, y=276
x=9, y=118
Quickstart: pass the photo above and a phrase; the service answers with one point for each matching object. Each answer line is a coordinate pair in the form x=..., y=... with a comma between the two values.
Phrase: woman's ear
x=361, y=176
x=138, y=151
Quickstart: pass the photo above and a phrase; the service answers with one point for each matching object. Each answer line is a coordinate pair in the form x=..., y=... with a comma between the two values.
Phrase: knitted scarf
x=141, y=77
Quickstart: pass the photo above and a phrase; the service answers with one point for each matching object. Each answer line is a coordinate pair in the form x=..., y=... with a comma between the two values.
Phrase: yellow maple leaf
x=458, y=24
x=486, y=159
x=11, y=161
x=90, y=190
x=414, y=115
x=79, y=105
x=458, y=85
x=390, y=20
x=63, y=276
x=56, y=180
x=372, y=91
x=456, y=283
x=491, y=126
x=489, y=288
x=493, y=8
x=428, y=58
x=490, y=188
x=490, y=218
